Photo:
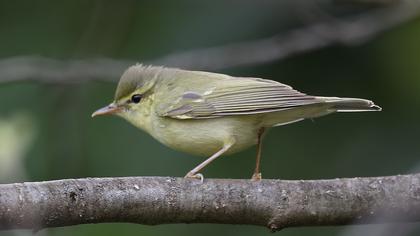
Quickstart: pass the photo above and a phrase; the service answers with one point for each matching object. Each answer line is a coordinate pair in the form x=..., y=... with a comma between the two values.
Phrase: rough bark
x=275, y=204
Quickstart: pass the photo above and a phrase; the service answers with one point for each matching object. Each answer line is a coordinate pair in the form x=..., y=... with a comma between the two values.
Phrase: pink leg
x=257, y=173
x=194, y=172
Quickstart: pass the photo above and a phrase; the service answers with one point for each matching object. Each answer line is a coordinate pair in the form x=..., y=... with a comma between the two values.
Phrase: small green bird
x=210, y=114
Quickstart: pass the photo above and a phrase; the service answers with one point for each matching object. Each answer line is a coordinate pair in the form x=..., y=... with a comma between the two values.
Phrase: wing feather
x=240, y=97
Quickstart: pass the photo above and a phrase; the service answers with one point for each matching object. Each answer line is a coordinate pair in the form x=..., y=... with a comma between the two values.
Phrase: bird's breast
x=204, y=137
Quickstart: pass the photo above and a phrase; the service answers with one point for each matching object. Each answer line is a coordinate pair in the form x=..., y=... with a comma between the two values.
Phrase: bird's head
x=132, y=96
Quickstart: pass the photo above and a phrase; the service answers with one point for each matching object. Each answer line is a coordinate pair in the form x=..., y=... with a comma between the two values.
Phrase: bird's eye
x=136, y=98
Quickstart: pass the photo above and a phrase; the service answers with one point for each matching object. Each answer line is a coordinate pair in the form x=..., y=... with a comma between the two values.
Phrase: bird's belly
x=206, y=136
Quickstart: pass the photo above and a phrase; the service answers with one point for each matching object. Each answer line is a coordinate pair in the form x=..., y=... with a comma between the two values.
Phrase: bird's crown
x=134, y=78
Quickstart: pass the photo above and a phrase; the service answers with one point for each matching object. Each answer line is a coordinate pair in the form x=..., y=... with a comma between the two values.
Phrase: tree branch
x=275, y=204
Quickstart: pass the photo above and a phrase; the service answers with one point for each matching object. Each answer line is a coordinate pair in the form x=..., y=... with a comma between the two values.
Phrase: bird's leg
x=257, y=173
x=194, y=172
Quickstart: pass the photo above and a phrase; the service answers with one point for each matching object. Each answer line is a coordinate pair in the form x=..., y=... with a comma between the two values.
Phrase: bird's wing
x=237, y=96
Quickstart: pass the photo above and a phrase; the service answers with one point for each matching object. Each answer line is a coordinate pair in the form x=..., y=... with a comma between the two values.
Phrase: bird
x=212, y=114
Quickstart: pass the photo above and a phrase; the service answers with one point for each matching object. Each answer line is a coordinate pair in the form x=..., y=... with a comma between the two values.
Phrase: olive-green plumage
x=210, y=114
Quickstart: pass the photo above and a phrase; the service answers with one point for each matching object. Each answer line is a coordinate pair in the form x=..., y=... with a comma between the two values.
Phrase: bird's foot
x=256, y=177
x=194, y=176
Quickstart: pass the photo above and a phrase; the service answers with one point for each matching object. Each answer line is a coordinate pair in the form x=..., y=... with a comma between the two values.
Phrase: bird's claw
x=195, y=176
x=256, y=177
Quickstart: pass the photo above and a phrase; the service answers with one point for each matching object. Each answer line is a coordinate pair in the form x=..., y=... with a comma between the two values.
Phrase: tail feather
x=351, y=104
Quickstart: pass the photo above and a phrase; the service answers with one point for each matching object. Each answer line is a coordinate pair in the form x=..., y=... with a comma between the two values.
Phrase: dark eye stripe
x=136, y=98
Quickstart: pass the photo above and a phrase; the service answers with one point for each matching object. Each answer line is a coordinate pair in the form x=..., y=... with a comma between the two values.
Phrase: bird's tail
x=351, y=104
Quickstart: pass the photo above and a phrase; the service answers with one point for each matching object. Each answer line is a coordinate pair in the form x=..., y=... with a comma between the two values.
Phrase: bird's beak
x=110, y=109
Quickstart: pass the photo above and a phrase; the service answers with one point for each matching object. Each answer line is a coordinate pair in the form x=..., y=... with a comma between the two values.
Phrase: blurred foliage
x=67, y=143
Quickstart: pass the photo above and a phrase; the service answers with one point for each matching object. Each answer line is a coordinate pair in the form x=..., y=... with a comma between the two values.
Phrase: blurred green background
x=46, y=131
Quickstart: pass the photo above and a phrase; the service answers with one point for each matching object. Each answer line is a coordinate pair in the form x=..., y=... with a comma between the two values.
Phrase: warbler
x=211, y=114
